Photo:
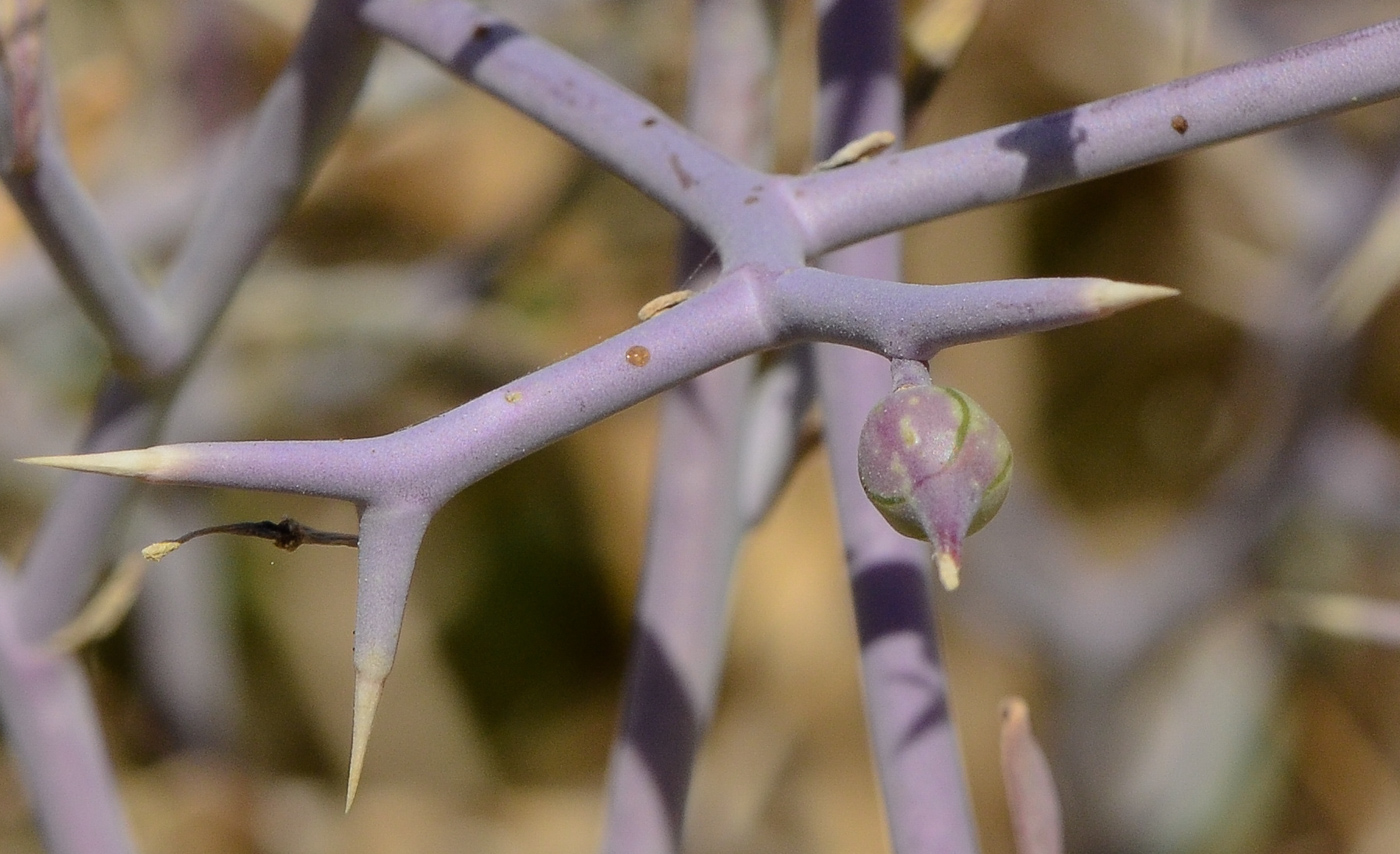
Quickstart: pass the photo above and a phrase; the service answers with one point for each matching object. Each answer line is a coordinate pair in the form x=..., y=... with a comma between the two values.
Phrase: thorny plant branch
x=251, y=195
x=746, y=311
x=400, y=480
x=1098, y=139
x=47, y=710
x=762, y=227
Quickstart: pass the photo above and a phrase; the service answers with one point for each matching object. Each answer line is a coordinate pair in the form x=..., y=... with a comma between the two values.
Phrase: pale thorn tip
x=144, y=462
x=1107, y=295
x=948, y=569
x=367, y=690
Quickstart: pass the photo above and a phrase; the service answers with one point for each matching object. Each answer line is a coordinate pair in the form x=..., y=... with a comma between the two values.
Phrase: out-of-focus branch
x=308, y=103
x=777, y=433
x=696, y=524
x=1370, y=272
x=41, y=181
x=1343, y=615
x=51, y=725
x=1030, y=789
x=936, y=36
x=629, y=135
x=298, y=119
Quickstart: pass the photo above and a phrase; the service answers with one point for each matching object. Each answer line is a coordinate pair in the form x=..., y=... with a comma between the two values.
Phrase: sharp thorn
x=145, y=462
x=1108, y=296
x=367, y=690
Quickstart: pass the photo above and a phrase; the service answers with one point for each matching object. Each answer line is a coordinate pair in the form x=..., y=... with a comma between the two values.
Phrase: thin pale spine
x=368, y=689
x=148, y=463
x=1109, y=296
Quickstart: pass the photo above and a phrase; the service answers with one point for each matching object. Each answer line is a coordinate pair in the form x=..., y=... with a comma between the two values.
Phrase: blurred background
x=1190, y=583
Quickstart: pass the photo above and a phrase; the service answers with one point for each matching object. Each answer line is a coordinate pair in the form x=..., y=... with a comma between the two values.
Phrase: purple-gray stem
x=682, y=608
x=1097, y=139
x=905, y=684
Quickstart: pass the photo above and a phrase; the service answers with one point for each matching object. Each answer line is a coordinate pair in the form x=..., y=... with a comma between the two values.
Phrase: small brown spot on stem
x=687, y=180
x=751, y=200
x=481, y=31
x=638, y=356
x=649, y=121
x=1179, y=124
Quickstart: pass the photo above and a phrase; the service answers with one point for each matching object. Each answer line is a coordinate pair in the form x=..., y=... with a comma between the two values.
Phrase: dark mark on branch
x=687, y=180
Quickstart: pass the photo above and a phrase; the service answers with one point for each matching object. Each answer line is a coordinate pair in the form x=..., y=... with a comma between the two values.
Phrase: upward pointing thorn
x=367, y=690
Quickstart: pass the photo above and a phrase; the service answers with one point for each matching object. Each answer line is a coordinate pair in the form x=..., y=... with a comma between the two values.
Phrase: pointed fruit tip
x=367, y=691
x=145, y=462
x=1107, y=295
x=948, y=569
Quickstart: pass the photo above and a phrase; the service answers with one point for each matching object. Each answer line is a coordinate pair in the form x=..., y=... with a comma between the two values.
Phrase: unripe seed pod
x=934, y=463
